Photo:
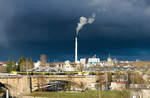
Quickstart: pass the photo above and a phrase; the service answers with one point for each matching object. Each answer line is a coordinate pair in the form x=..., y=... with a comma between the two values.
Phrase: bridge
x=25, y=84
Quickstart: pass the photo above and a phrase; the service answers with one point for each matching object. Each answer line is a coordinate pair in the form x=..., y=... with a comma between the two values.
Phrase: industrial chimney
x=76, y=49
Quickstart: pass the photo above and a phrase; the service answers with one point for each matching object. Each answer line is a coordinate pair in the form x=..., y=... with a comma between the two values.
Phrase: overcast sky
x=33, y=27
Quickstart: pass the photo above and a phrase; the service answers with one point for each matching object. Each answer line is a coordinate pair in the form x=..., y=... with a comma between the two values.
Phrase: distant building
x=3, y=63
x=93, y=61
x=90, y=62
x=37, y=64
x=109, y=61
x=3, y=67
x=83, y=61
x=141, y=93
x=118, y=85
x=68, y=66
x=57, y=66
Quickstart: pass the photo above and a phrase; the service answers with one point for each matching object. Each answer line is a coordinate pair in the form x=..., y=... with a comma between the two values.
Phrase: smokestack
x=76, y=49
x=83, y=21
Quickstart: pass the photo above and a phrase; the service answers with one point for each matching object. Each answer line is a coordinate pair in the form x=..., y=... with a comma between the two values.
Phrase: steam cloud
x=84, y=21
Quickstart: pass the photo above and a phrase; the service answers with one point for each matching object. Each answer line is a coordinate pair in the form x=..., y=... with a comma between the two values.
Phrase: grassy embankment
x=87, y=94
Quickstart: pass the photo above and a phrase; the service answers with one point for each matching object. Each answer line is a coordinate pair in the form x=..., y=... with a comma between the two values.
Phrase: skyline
x=30, y=28
x=63, y=58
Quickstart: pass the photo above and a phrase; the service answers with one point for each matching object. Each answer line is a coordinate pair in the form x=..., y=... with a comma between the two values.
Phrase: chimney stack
x=76, y=49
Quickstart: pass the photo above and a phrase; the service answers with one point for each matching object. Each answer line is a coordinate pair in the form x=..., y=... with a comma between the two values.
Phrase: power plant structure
x=76, y=49
x=83, y=21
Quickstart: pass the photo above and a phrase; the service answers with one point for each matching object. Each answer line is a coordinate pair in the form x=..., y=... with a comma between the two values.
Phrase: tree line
x=23, y=64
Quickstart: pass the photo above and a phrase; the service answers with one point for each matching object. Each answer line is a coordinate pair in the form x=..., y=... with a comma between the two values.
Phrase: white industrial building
x=90, y=62
x=83, y=61
x=93, y=61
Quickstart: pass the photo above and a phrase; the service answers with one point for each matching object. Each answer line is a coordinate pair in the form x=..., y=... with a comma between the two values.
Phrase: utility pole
x=127, y=81
x=100, y=92
x=100, y=95
x=133, y=79
x=30, y=83
x=106, y=75
x=7, y=93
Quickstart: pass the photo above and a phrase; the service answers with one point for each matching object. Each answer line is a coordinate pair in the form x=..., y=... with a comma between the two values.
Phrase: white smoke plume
x=83, y=21
x=91, y=19
x=101, y=10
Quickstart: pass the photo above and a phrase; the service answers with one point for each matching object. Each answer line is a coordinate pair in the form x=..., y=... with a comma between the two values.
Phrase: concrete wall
x=17, y=86
x=25, y=84
x=86, y=80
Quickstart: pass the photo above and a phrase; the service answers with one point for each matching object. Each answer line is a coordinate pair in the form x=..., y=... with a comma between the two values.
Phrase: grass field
x=87, y=94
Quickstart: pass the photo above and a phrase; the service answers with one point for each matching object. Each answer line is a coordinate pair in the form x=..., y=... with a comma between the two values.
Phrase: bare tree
x=43, y=60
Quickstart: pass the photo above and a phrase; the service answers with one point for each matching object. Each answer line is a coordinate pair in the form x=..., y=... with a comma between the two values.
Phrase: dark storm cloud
x=6, y=13
x=124, y=19
x=29, y=27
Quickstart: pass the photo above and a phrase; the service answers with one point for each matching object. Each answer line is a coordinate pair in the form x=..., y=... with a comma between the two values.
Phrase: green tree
x=18, y=68
x=14, y=66
x=21, y=63
x=129, y=79
x=9, y=65
x=109, y=77
x=26, y=64
x=138, y=79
